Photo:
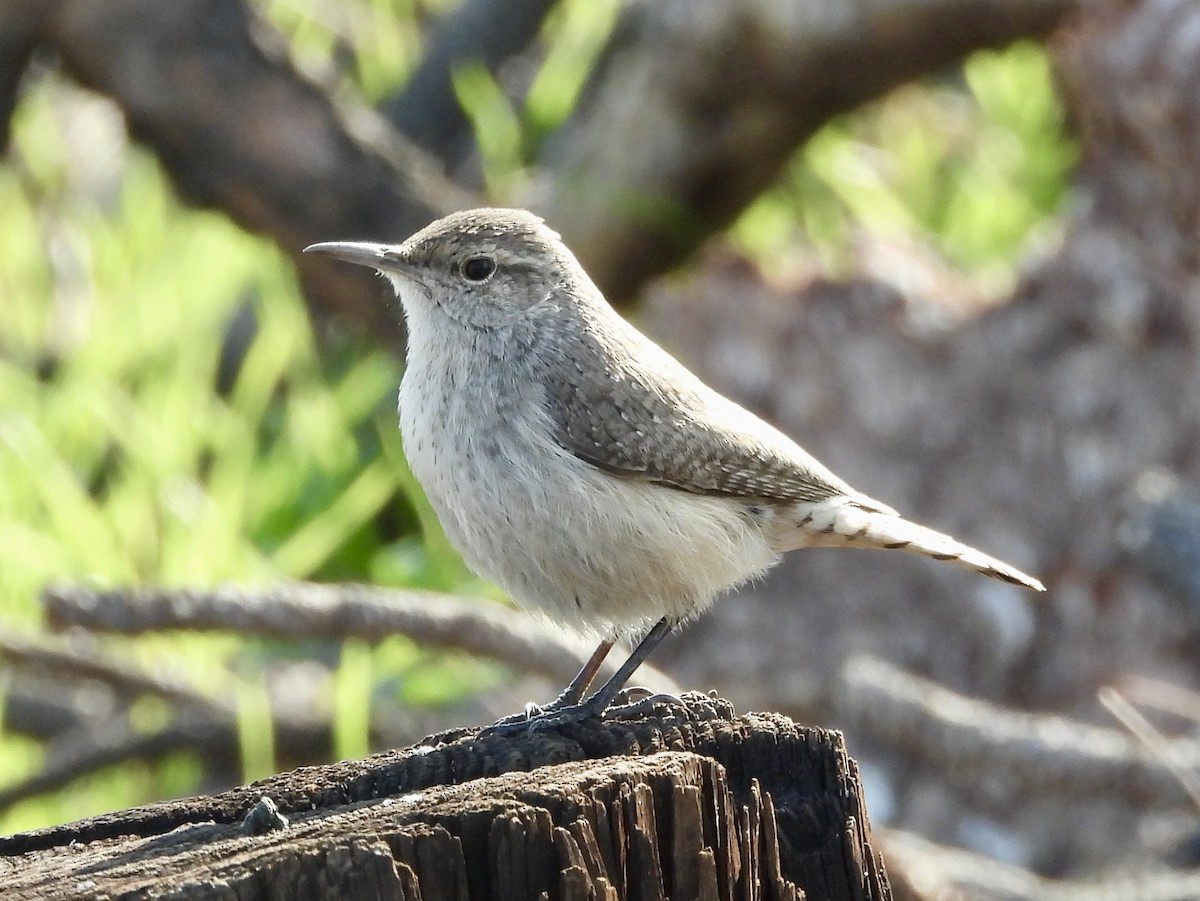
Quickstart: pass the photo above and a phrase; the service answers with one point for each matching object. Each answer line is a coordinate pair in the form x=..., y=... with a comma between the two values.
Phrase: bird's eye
x=477, y=269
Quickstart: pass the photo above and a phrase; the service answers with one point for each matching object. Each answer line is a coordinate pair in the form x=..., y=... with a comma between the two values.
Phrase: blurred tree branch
x=697, y=105
x=43, y=702
x=693, y=109
x=79, y=665
x=970, y=737
x=209, y=88
x=335, y=612
x=938, y=871
x=78, y=700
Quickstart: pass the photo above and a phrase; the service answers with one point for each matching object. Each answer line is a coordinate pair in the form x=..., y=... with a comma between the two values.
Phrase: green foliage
x=351, y=717
x=509, y=134
x=497, y=127
x=128, y=463
x=256, y=737
x=974, y=167
x=134, y=449
x=573, y=37
x=379, y=39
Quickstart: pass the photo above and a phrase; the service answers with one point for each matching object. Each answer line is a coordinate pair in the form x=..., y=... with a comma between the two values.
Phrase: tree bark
x=698, y=804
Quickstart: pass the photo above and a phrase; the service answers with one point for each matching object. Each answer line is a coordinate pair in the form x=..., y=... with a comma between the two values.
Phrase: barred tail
x=842, y=521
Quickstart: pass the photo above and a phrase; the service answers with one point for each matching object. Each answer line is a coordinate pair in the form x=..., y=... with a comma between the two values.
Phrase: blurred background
x=950, y=247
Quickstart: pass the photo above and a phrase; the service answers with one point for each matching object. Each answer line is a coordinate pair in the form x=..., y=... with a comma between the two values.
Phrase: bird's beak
x=352, y=252
x=381, y=257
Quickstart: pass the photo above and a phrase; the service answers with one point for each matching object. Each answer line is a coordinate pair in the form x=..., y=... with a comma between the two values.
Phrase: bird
x=578, y=465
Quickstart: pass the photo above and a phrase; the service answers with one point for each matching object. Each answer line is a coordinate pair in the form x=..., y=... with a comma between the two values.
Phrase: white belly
x=587, y=548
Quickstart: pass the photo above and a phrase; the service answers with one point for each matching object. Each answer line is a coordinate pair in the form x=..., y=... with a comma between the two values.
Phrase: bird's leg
x=570, y=696
x=583, y=679
x=596, y=704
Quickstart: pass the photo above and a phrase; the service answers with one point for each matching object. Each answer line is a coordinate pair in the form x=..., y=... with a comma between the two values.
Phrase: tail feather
x=846, y=522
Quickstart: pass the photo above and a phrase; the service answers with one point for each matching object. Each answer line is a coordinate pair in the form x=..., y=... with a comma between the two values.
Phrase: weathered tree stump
x=688, y=803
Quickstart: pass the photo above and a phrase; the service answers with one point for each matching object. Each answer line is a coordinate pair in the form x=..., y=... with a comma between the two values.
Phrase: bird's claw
x=548, y=717
x=646, y=704
x=562, y=710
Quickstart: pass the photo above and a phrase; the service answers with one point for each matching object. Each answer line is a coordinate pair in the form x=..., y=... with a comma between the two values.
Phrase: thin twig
x=1152, y=740
x=1166, y=697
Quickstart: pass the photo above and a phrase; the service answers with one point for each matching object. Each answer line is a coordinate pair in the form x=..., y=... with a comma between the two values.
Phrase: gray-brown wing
x=654, y=420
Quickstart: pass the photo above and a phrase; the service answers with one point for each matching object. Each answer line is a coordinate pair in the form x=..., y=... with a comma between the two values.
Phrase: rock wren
x=575, y=463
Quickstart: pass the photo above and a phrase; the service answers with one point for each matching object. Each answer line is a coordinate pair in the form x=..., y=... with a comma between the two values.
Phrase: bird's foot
x=551, y=716
x=567, y=708
x=631, y=703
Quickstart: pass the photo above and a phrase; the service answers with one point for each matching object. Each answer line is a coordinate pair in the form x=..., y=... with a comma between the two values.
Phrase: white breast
x=585, y=547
